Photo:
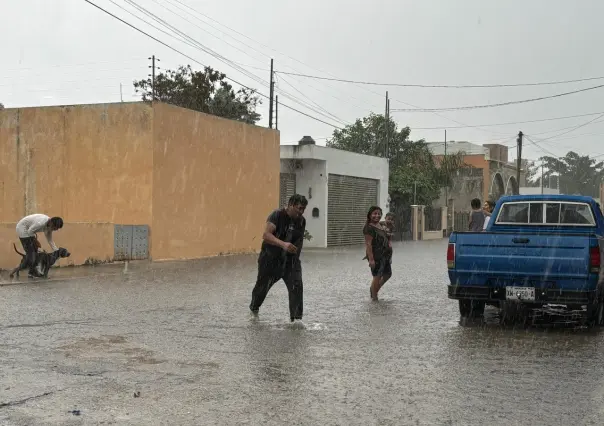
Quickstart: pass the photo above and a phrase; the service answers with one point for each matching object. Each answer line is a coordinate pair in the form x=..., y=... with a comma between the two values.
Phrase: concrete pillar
x=444, y=221
x=417, y=222
x=414, y=232
x=451, y=218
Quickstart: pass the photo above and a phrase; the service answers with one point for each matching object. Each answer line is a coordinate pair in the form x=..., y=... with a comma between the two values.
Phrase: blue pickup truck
x=536, y=250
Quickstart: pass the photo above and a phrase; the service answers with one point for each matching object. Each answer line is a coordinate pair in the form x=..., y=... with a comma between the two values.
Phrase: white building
x=340, y=187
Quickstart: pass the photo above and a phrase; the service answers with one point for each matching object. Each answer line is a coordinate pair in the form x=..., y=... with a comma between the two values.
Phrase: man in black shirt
x=280, y=256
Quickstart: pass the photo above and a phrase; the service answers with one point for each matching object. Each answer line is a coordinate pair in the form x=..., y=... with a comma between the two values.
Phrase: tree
x=1, y=106
x=533, y=176
x=414, y=174
x=205, y=91
x=578, y=174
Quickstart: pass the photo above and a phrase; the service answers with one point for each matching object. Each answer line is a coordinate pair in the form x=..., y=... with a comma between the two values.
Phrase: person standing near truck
x=487, y=208
x=476, y=216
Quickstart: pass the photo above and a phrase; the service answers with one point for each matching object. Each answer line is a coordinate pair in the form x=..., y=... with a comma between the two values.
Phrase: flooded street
x=180, y=334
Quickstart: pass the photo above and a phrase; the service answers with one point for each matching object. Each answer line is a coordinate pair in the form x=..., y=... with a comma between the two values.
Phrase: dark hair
x=371, y=210
x=491, y=204
x=297, y=199
x=56, y=222
x=475, y=203
x=390, y=214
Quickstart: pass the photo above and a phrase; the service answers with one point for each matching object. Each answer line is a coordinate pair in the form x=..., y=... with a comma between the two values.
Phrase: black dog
x=43, y=261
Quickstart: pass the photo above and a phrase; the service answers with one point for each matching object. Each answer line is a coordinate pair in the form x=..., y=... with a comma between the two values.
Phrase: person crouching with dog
x=27, y=230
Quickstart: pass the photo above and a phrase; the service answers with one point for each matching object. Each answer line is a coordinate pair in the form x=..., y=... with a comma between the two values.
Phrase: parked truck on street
x=537, y=250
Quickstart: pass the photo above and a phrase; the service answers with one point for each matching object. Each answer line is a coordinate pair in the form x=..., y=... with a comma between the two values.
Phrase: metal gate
x=287, y=187
x=348, y=200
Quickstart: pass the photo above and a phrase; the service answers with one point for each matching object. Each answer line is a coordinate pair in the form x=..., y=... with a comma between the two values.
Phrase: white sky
x=68, y=52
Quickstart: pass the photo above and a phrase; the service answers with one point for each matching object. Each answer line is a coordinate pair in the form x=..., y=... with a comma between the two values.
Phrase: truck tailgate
x=559, y=261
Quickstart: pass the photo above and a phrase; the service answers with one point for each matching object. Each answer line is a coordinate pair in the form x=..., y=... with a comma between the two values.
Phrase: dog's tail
x=18, y=252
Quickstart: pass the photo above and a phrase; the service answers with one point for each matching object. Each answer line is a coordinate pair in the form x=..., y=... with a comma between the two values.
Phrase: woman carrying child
x=378, y=246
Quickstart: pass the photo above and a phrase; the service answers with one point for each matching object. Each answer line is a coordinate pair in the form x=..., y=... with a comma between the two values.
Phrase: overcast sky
x=58, y=52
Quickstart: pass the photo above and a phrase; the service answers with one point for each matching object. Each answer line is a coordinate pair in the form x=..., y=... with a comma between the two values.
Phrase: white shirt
x=30, y=225
x=486, y=222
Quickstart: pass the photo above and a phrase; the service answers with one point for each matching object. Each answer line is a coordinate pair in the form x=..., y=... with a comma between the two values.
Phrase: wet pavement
x=173, y=343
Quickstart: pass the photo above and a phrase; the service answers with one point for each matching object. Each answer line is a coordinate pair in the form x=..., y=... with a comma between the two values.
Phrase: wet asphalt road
x=179, y=333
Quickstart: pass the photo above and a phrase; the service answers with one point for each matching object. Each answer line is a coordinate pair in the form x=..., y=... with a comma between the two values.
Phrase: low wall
x=85, y=241
x=432, y=235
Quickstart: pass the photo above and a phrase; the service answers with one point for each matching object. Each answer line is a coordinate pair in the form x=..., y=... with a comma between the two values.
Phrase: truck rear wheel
x=471, y=308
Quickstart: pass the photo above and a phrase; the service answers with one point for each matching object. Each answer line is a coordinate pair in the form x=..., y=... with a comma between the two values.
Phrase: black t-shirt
x=288, y=229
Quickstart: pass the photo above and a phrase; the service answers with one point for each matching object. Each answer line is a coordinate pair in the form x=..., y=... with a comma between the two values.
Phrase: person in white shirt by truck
x=28, y=227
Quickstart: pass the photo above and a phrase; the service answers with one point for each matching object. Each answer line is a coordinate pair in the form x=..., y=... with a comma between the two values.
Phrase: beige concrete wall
x=215, y=181
x=205, y=185
x=87, y=163
x=84, y=241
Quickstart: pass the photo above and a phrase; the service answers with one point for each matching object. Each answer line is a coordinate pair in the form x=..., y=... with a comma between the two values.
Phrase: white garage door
x=348, y=200
x=287, y=188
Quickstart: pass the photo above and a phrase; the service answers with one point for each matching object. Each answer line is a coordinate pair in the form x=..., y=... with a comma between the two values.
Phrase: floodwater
x=173, y=343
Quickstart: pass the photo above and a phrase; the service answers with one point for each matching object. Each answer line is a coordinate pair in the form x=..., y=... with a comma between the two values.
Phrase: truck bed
x=499, y=259
x=540, y=267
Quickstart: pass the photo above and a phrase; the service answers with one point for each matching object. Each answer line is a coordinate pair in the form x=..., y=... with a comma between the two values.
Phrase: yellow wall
x=203, y=184
x=83, y=240
x=215, y=181
x=90, y=163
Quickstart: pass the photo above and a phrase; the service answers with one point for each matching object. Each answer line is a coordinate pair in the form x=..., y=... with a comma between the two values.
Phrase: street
x=173, y=343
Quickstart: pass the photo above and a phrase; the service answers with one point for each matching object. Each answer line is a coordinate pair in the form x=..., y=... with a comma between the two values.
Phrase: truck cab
x=536, y=250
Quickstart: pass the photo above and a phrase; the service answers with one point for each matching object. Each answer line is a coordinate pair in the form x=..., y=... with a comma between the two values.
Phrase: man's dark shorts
x=383, y=268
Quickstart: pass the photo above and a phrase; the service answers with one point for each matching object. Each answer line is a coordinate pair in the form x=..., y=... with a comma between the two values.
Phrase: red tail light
x=451, y=256
x=594, y=259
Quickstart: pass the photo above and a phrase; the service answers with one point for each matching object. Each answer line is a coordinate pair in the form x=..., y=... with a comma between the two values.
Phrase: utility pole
x=277, y=112
x=446, y=189
x=386, y=126
x=153, y=68
x=542, y=177
x=272, y=92
x=519, y=163
x=415, y=193
x=121, y=94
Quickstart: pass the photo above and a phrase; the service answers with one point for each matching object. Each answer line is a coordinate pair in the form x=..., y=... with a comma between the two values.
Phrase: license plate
x=520, y=293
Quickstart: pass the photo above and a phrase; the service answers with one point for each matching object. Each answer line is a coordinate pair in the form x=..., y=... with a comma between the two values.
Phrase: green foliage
x=412, y=165
x=533, y=175
x=307, y=235
x=205, y=91
x=578, y=174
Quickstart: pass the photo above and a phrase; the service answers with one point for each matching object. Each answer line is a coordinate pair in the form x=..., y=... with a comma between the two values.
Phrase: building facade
x=340, y=187
x=490, y=175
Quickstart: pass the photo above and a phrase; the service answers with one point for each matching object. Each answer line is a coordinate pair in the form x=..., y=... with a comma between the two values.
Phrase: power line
x=461, y=108
x=508, y=123
x=573, y=129
x=308, y=66
x=441, y=86
x=199, y=63
x=249, y=46
x=560, y=134
x=71, y=65
x=197, y=44
x=202, y=29
x=332, y=116
x=217, y=55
